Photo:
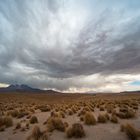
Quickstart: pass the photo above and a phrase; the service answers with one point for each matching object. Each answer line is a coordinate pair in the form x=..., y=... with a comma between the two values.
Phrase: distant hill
x=130, y=91
x=24, y=88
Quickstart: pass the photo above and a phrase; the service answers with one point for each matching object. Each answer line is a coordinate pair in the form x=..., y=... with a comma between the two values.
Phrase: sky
x=70, y=45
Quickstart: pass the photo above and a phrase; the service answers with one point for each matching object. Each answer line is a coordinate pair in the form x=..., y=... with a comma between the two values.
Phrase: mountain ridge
x=24, y=88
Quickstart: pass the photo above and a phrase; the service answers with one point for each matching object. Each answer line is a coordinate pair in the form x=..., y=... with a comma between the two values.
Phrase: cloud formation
x=70, y=45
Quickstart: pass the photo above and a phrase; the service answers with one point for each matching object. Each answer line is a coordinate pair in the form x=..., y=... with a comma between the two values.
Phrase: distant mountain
x=17, y=87
x=130, y=91
x=24, y=88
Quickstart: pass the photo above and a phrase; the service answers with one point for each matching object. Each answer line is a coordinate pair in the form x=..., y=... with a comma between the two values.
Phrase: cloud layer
x=70, y=45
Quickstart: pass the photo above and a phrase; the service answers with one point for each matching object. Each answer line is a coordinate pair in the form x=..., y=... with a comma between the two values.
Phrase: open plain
x=28, y=116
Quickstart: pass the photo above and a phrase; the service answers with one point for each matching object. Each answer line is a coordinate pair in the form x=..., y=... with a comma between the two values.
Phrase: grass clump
x=102, y=118
x=37, y=134
x=55, y=123
x=114, y=119
x=44, y=108
x=33, y=120
x=129, y=113
x=76, y=131
x=89, y=119
x=130, y=131
x=6, y=121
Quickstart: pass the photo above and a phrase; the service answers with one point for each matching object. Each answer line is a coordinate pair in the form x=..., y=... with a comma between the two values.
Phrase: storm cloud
x=70, y=45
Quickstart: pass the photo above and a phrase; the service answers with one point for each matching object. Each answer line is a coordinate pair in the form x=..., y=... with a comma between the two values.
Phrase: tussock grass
x=6, y=121
x=33, y=120
x=76, y=131
x=89, y=119
x=130, y=131
x=37, y=134
x=44, y=108
x=102, y=118
x=114, y=119
x=55, y=123
x=126, y=114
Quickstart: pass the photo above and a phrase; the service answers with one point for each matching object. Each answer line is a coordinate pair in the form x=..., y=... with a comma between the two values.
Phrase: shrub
x=130, y=114
x=127, y=114
x=130, y=131
x=107, y=116
x=8, y=121
x=21, y=114
x=89, y=119
x=44, y=108
x=54, y=114
x=62, y=114
x=37, y=134
x=76, y=131
x=55, y=123
x=33, y=120
x=13, y=113
x=102, y=118
x=114, y=119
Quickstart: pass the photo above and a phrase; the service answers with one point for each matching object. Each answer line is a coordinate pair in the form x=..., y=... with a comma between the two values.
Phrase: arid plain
x=28, y=116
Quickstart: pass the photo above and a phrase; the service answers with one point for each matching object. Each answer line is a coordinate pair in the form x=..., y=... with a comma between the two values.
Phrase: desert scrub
x=44, y=108
x=76, y=131
x=129, y=113
x=61, y=114
x=33, y=120
x=6, y=121
x=37, y=134
x=114, y=119
x=89, y=119
x=102, y=118
x=107, y=116
x=13, y=113
x=55, y=123
x=21, y=114
x=130, y=131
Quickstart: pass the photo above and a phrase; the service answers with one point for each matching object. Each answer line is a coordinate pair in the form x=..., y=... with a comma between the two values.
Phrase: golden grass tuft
x=130, y=131
x=89, y=119
x=37, y=134
x=114, y=119
x=126, y=114
x=33, y=120
x=76, y=131
x=102, y=118
x=6, y=121
x=55, y=123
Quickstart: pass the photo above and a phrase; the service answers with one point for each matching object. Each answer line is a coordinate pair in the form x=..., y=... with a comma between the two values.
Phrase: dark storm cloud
x=47, y=43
